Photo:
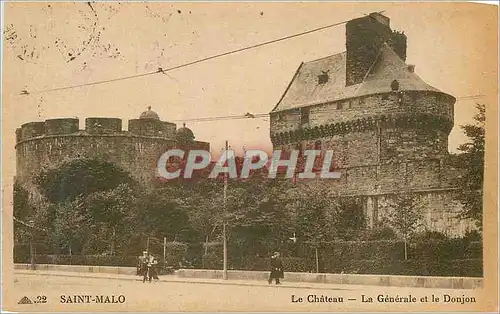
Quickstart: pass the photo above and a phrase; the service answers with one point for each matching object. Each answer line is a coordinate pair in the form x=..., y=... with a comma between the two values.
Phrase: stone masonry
x=387, y=127
x=41, y=145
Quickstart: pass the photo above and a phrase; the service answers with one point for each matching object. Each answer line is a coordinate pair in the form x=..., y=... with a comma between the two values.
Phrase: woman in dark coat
x=277, y=271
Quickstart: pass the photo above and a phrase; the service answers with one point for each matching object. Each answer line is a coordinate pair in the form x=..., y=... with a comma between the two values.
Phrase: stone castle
x=50, y=143
x=388, y=128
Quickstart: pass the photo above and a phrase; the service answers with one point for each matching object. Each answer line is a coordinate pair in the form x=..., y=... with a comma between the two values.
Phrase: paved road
x=174, y=295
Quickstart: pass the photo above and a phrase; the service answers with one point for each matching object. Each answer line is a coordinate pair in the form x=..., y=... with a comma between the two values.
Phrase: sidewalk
x=174, y=279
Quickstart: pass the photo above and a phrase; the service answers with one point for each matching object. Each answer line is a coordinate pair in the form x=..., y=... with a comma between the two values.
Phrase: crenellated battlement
x=96, y=126
x=136, y=149
x=30, y=130
x=61, y=126
x=103, y=125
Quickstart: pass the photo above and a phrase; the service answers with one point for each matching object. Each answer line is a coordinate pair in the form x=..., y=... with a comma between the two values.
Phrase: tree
x=22, y=209
x=91, y=206
x=311, y=203
x=202, y=200
x=101, y=222
x=79, y=178
x=471, y=161
x=348, y=218
x=21, y=203
x=405, y=216
x=257, y=214
x=70, y=227
x=162, y=215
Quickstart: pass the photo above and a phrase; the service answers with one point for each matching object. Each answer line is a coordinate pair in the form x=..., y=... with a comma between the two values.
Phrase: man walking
x=144, y=260
x=152, y=268
x=140, y=263
x=276, y=269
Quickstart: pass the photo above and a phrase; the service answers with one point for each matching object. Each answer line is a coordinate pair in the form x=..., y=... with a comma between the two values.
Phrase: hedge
x=430, y=255
x=91, y=260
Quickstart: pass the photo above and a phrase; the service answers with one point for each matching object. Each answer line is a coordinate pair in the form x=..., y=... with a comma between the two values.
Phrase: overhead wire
x=163, y=71
x=209, y=119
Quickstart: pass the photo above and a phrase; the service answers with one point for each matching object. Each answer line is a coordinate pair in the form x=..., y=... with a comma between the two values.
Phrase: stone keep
x=387, y=127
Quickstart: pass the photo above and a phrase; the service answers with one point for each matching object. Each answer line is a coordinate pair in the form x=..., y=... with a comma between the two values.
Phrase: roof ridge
x=302, y=90
x=288, y=86
x=329, y=56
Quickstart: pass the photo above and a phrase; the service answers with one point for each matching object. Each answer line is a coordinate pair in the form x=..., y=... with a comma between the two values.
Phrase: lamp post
x=224, y=234
x=32, y=247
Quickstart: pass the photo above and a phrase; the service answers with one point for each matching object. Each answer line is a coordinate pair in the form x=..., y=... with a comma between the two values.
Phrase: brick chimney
x=364, y=38
x=398, y=44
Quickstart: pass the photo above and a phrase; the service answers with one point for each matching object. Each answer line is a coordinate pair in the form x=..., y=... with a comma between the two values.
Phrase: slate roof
x=304, y=89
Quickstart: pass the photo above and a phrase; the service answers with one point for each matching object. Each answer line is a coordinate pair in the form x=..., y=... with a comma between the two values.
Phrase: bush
x=176, y=252
x=21, y=253
x=255, y=263
x=429, y=255
x=473, y=236
x=474, y=250
x=468, y=267
x=211, y=260
x=364, y=267
x=91, y=260
x=293, y=264
x=381, y=233
x=429, y=236
x=343, y=252
x=214, y=257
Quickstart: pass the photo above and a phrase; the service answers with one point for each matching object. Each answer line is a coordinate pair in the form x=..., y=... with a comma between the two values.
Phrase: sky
x=51, y=45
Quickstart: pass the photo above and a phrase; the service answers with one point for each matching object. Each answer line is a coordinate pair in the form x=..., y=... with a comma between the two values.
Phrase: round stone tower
x=387, y=128
x=41, y=145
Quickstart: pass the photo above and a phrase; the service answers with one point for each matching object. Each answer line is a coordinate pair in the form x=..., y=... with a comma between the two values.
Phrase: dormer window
x=323, y=77
x=395, y=85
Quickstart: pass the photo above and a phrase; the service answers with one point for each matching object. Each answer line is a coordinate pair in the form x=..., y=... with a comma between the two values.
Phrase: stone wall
x=382, y=144
x=431, y=181
x=42, y=145
x=439, y=209
x=191, y=275
x=137, y=155
x=387, y=104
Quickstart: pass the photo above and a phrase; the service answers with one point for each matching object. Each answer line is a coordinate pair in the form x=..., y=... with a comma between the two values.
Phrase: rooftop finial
x=149, y=107
x=184, y=124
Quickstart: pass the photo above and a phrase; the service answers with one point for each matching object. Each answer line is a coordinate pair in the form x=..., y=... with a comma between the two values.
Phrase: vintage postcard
x=249, y=157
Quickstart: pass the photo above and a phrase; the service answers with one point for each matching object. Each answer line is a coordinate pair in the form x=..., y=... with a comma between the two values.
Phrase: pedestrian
x=141, y=260
x=277, y=271
x=144, y=265
x=152, y=267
